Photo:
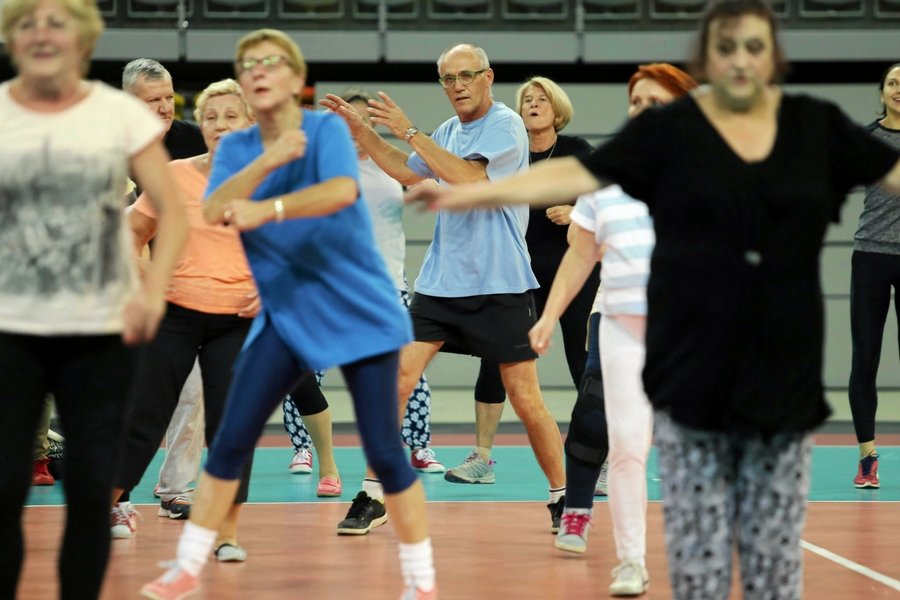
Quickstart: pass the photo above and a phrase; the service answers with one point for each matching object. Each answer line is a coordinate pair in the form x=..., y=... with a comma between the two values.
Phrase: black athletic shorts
x=492, y=326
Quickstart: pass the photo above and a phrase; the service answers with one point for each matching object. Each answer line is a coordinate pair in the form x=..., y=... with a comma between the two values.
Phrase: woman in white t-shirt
x=70, y=301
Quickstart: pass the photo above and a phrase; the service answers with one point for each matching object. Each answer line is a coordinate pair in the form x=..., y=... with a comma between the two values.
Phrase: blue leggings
x=415, y=428
x=266, y=371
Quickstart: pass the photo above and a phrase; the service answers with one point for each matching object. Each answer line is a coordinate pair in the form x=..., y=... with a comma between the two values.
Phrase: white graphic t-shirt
x=66, y=256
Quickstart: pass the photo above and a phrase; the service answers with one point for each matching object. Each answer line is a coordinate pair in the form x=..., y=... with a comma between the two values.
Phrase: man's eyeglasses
x=464, y=77
x=269, y=62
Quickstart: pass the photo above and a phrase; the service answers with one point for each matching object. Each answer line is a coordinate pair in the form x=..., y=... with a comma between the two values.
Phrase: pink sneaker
x=302, y=462
x=329, y=487
x=423, y=459
x=174, y=584
x=419, y=594
x=123, y=521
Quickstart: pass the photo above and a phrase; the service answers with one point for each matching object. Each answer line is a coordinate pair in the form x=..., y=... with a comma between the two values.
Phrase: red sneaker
x=174, y=584
x=423, y=459
x=867, y=473
x=40, y=475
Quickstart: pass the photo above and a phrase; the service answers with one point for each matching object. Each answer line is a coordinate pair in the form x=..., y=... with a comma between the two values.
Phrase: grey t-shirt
x=879, y=222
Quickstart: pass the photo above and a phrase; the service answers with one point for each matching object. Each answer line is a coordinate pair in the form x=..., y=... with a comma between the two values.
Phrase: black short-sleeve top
x=735, y=318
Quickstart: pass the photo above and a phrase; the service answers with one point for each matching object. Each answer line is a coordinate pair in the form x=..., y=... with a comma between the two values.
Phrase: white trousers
x=184, y=440
x=629, y=421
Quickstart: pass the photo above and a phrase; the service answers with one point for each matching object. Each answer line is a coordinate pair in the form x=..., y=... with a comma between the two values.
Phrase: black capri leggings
x=90, y=377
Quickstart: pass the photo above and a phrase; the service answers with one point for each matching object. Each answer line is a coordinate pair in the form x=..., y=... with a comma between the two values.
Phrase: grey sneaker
x=474, y=470
x=629, y=579
x=573, y=530
x=600, y=489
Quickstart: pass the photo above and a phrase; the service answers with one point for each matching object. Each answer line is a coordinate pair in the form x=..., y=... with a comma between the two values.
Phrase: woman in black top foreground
x=741, y=180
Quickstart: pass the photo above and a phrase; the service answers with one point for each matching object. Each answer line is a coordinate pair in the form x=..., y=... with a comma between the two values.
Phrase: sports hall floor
x=490, y=541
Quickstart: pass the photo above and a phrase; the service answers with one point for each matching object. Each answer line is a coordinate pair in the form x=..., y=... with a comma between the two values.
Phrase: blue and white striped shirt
x=624, y=225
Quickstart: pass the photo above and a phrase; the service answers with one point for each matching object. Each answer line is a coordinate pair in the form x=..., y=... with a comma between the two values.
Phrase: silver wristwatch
x=410, y=132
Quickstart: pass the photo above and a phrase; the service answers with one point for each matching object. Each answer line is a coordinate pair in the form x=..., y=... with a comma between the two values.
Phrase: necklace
x=552, y=148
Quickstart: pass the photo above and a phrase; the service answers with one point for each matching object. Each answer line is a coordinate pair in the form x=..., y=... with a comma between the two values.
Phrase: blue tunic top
x=323, y=283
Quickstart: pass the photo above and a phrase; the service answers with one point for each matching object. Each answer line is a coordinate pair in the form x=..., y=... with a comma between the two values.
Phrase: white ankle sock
x=417, y=564
x=373, y=488
x=556, y=494
x=483, y=452
x=194, y=547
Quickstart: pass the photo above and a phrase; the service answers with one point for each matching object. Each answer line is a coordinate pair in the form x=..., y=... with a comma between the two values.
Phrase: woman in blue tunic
x=290, y=185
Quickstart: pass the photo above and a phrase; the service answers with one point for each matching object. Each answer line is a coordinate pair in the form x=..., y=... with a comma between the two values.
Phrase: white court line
x=849, y=564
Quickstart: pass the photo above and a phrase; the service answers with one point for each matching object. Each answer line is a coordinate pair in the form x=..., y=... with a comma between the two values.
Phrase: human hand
x=386, y=112
x=141, y=316
x=251, y=309
x=248, y=214
x=343, y=109
x=540, y=335
x=289, y=146
x=561, y=215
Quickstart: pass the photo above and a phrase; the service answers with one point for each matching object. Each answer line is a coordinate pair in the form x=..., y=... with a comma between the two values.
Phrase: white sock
x=417, y=565
x=556, y=494
x=194, y=547
x=373, y=488
x=483, y=452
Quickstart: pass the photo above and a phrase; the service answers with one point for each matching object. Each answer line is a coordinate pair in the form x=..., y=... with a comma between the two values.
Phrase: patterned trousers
x=722, y=490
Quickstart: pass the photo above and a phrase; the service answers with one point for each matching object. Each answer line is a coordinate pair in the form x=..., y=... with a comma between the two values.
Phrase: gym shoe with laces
x=475, y=469
x=301, y=464
x=556, y=512
x=424, y=460
x=178, y=507
x=412, y=593
x=123, y=521
x=230, y=553
x=365, y=514
x=573, y=530
x=629, y=579
x=174, y=584
x=601, y=488
x=867, y=473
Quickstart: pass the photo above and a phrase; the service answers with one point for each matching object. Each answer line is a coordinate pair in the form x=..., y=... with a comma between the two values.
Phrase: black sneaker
x=556, y=512
x=365, y=514
x=178, y=507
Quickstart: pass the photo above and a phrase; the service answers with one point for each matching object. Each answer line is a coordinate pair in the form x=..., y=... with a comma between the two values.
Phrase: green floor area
x=518, y=478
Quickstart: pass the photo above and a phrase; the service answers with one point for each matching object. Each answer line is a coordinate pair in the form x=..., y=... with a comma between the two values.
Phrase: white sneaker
x=600, y=489
x=302, y=462
x=123, y=521
x=629, y=579
x=230, y=553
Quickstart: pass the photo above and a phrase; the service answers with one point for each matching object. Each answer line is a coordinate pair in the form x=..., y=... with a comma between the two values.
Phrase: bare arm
x=892, y=179
x=314, y=201
x=549, y=183
x=143, y=228
x=576, y=266
x=290, y=146
x=144, y=311
x=388, y=157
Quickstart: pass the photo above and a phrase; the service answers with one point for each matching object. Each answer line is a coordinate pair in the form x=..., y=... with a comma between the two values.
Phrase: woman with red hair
x=612, y=220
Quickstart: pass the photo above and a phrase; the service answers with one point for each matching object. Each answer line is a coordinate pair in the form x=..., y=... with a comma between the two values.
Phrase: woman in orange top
x=211, y=301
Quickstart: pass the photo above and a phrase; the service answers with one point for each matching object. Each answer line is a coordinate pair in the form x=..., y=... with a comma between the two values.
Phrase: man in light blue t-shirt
x=473, y=292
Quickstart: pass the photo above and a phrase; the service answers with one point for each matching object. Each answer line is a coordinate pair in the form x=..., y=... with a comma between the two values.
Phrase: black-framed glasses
x=269, y=62
x=465, y=77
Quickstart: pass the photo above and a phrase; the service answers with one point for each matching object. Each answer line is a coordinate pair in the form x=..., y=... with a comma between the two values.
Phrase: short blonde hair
x=224, y=87
x=85, y=13
x=280, y=39
x=559, y=100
